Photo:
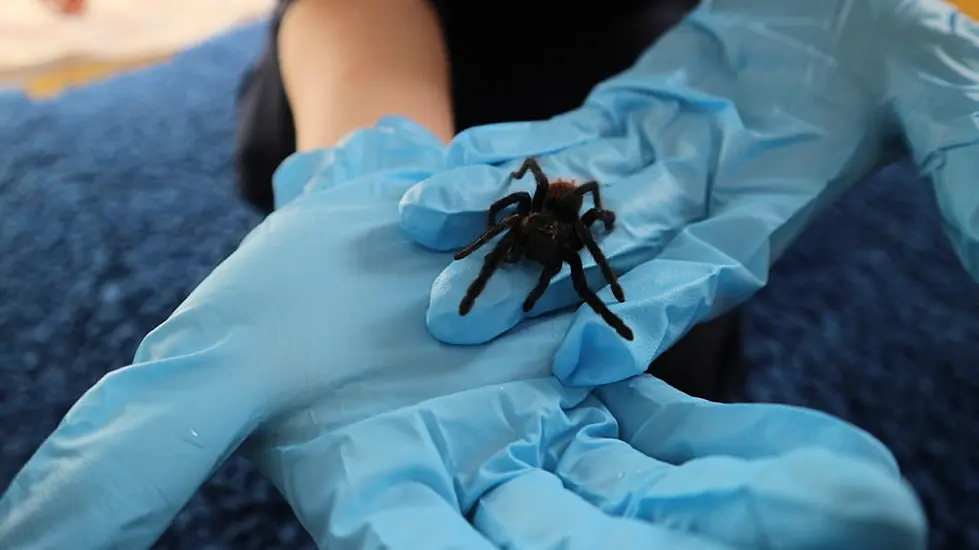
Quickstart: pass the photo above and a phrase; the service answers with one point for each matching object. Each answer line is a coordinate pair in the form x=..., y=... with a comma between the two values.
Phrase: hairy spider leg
x=598, y=212
x=600, y=259
x=487, y=236
x=549, y=272
x=515, y=252
x=520, y=198
x=593, y=215
x=591, y=187
x=592, y=299
x=492, y=261
x=540, y=195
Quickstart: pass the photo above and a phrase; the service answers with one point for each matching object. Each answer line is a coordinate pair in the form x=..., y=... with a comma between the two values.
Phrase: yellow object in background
x=53, y=82
x=969, y=7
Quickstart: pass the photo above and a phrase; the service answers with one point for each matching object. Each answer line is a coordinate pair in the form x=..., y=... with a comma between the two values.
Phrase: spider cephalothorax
x=548, y=229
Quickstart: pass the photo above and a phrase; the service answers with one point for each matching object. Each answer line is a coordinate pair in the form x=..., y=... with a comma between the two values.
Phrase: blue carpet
x=117, y=199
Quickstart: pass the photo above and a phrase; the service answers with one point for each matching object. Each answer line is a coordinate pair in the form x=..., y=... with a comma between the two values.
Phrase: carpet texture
x=117, y=199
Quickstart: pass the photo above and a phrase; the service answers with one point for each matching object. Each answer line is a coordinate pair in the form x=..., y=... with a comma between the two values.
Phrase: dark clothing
x=511, y=60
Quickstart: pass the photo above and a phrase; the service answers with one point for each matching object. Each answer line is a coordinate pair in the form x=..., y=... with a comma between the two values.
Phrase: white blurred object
x=35, y=39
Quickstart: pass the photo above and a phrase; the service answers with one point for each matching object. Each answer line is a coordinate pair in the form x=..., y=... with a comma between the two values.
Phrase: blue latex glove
x=309, y=345
x=715, y=150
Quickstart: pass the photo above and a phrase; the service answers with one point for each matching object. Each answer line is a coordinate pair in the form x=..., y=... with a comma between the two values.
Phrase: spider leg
x=515, y=252
x=550, y=270
x=521, y=199
x=592, y=299
x=590, y=187
x=542, y=184
x=490, y=263
x=596, y=214
x=600, y=259
x=488, y=235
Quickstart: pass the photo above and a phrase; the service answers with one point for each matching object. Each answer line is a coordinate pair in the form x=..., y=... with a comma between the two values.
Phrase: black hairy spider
x=547, y=228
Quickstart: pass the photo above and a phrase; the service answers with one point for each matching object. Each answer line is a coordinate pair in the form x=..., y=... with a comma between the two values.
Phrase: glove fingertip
x=433, y=227
x=498, y=308
x=448, y=211
x=478, y=327
x=513, y=141
x=594, y=354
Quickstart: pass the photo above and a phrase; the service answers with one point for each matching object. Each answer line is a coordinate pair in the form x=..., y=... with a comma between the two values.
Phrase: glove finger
x=383, y=478
x=933, y=80
x=674, y=427
x=707, y=268
x=134, y=449
x=513, y=141
x=395, y=143
x=772, y=502
x=563, y=520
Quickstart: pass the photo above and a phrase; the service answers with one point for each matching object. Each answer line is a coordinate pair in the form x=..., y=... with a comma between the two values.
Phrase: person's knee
x=853, y=501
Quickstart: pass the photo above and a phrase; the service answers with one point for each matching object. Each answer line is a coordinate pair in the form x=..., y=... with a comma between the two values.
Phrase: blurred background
x=47, y=45
x=117, y=198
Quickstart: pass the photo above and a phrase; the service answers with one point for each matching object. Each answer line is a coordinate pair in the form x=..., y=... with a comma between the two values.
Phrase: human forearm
x=347, y=63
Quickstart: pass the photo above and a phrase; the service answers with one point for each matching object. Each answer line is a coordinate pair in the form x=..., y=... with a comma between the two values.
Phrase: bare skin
x=347, y=64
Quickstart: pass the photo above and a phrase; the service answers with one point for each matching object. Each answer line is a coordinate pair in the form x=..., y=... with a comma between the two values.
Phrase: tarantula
x=547, y=228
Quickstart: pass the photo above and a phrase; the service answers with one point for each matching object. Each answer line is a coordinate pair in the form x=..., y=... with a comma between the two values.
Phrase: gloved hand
x=309, y=346
x=715, y=150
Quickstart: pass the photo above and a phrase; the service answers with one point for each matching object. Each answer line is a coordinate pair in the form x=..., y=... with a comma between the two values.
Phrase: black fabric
x=266, y=134
x=514, y=60
x=510, y=61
